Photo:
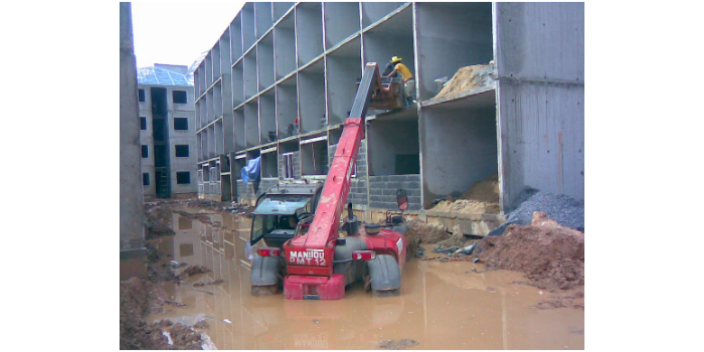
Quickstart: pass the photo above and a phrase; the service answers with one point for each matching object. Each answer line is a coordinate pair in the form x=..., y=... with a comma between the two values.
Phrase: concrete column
x=132, y=251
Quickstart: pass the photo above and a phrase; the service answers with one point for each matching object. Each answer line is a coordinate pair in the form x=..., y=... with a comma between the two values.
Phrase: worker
x=389, y=68
x=409, y=84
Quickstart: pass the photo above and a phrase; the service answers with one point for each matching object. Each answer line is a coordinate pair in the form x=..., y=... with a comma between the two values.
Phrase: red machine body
x=310, y=257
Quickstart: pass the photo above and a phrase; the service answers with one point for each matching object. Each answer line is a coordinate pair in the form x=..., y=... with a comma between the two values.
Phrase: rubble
x=397, y=345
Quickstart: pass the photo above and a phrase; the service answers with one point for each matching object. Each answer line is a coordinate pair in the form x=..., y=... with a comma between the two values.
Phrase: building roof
x=163, y=76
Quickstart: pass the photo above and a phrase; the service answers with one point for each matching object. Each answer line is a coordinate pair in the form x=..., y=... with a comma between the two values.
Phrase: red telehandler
x=299, y=221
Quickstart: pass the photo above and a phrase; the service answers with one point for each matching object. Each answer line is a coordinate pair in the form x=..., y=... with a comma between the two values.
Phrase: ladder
x=163, y=189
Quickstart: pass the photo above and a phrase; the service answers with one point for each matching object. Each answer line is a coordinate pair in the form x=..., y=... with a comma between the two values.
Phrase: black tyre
x=385, y=275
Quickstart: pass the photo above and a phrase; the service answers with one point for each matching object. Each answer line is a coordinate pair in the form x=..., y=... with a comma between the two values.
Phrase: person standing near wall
x=409, y=84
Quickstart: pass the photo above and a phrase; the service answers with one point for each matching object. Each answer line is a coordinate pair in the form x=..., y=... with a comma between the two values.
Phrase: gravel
x=567, y=211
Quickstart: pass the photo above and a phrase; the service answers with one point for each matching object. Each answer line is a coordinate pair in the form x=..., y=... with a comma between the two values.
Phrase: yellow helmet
x=395, y=59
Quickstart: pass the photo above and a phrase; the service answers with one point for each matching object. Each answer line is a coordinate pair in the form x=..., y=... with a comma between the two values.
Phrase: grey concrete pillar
x=132, y=251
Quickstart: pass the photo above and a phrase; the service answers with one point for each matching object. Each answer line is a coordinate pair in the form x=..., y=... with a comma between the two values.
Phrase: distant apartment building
x=167, y=131
x=279, y=82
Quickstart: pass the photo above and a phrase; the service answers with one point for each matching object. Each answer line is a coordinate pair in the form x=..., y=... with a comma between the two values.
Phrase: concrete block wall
x=382, y=191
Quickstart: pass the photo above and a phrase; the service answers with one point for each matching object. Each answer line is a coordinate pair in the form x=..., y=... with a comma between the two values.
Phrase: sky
x=178, y=32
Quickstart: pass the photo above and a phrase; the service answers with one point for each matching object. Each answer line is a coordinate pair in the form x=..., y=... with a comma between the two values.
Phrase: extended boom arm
x=327, y=216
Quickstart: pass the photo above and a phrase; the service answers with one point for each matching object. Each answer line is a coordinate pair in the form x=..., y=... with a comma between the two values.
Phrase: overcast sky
x=178, y=32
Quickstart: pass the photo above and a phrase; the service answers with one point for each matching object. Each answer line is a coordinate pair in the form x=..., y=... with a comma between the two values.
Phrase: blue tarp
x=251, y=171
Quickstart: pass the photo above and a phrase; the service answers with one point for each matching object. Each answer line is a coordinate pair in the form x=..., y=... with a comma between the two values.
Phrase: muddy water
x=442, y=305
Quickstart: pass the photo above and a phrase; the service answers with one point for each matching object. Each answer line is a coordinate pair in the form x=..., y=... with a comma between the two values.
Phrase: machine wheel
x=385, y=276
x=261, y=291
x=390, y=293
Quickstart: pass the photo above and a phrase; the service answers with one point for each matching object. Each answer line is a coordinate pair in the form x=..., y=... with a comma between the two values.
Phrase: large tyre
x=385, y=276
x=264, y=276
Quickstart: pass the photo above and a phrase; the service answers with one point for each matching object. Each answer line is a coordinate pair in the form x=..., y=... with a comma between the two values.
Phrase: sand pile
x=466, y=79
x=482, y=197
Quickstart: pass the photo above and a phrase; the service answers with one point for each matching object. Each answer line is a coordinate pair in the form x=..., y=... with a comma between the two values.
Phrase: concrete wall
x=132, y=249
x=459, y=148
x=540, y=66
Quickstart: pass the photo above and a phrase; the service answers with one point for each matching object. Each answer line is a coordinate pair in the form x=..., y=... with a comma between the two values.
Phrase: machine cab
x=279, y=210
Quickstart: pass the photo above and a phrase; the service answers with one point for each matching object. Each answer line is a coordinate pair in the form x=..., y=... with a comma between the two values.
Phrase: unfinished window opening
x=285, y=47
x=250, y=74
x=181, y=124
x=206, y=173
x=239, y=164
x=288, y=166
x=314, y=158
x=236, y=38
x=200, y=176
x=143, y=123
x=239, y=129
x=182, y=150
x=374, y=11
x=312, y=93
x=145, y=179
x=267, y=117
x=290, y=160
x=309, y=19
x=184, y=223
x=226, y=188
x=270, y=165
x=251, y=123
x=145, y=151
x=141, y=95
x=287, y=107
x=248, y=32
x=238, y=84
x=344, y=66
x=185, y=250
x=265, y=56
x=180, y=97
x=183, y=178
x=394, y=146
x=341, y=21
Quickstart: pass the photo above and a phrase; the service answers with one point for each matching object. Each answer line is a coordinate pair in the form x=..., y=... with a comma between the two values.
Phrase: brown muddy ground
x=449, y=304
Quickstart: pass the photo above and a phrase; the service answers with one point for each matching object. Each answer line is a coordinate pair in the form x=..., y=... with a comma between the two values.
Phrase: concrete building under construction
x=167, y=130
x=280, y=81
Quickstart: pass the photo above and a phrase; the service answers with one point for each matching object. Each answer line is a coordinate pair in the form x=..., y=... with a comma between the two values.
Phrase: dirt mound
x=468, y=206
x=422, y=232
x=195, y=270
x=550, y=255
